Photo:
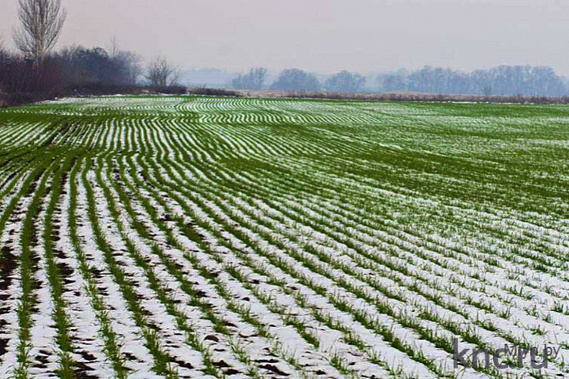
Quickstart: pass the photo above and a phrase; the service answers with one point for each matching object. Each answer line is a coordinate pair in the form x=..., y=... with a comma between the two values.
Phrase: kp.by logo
x=539, y=357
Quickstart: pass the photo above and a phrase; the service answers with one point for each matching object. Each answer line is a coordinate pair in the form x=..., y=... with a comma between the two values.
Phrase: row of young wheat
x=195, y=237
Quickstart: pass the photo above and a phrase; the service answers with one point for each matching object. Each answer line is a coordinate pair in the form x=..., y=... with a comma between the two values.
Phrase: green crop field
x=208, y=237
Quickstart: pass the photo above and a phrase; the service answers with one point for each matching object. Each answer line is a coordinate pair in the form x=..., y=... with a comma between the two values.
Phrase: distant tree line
x=498, y=81
x=345, y=82
x=298, y=80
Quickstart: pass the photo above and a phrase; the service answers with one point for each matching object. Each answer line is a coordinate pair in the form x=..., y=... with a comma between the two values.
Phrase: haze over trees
x=345, y=81
x=98, y=67
x=3, y=52
x=501, y=81
x=254, y=79
x=296, y=80
x=497, y=81
x=129, y=63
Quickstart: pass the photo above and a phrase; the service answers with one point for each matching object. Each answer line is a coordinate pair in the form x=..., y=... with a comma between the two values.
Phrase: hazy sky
x=324, y=35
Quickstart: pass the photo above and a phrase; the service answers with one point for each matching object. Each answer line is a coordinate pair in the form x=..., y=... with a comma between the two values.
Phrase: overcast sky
x=324, y=35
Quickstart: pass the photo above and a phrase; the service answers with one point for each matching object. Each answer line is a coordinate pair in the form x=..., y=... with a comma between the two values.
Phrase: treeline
x=73, y=69
x=35, y=71
x=499, y=81
x=80, y=71
x=298, y=80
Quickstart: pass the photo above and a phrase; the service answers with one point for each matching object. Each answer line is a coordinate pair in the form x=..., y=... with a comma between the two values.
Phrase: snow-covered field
x=188, y=237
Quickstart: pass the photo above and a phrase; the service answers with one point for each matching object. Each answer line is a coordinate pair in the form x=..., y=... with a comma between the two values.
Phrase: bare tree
x=3, y=53
x=114, y=47
x=41, y=23
x=162, y=73
x=255, y=79
x=126, y=62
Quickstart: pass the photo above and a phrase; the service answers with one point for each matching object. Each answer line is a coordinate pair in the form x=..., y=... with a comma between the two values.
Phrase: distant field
x=195, y=237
